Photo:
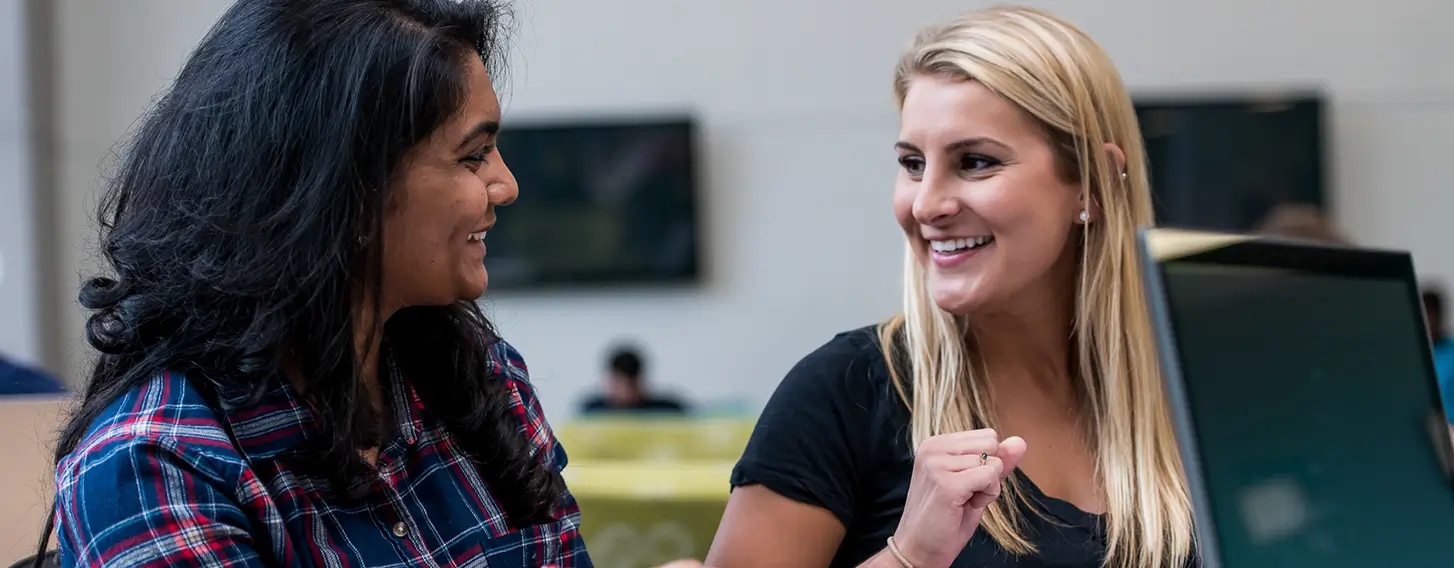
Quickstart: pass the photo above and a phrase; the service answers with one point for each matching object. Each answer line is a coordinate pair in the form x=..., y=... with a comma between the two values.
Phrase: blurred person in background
x=19, y=379
x=1022, y=182
x=626, y=390
x=293, y=369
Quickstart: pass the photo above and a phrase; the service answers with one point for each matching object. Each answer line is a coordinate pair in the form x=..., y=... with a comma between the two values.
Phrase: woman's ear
x=1116, y=159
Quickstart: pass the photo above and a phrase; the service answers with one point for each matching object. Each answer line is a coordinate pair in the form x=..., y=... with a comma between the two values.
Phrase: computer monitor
x=1302, y=385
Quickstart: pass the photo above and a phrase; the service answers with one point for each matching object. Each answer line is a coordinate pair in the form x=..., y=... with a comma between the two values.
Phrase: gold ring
x=984, y=458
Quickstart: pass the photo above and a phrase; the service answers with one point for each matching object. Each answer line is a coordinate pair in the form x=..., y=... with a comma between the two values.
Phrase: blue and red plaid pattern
x=159, y=482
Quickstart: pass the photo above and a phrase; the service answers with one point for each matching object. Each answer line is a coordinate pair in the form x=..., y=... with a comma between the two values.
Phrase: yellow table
x=637, y=514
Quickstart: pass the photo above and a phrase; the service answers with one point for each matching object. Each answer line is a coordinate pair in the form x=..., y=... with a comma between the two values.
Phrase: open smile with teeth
x=952, y=246
x=480, y=236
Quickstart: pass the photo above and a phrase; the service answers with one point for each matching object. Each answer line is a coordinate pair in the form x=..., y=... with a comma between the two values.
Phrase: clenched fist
x=955, y=477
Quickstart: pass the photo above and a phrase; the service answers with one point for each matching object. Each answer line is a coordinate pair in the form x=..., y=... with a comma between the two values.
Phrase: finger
x=991, y=491
x=940, y=461
x=965, y=484
x=954, y=438
x=984, y=498
x=958, y=462
x=1012, y=449
x=971, y=442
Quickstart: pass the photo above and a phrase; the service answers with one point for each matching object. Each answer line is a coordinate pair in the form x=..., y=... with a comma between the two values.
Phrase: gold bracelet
x=894, y=550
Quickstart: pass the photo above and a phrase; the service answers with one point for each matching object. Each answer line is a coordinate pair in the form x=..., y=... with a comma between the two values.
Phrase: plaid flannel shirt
x=158, y=482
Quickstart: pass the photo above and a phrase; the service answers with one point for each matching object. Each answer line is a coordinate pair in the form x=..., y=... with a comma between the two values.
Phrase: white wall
x=798, y=125
x=19, y=301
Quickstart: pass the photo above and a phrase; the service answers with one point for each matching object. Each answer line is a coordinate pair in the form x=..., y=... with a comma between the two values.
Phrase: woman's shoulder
x=155, y=467
x=851, y=364
x=858, y=346
x=166, y=414
x=508, y=365
x=822, y=432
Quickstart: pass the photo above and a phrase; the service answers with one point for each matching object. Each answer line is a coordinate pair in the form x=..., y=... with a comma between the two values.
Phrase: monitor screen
x=1316, y=416
x=600, y=203
x=1227, y=164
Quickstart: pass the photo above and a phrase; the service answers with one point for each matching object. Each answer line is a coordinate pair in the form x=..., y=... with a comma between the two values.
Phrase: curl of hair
x=233, y=225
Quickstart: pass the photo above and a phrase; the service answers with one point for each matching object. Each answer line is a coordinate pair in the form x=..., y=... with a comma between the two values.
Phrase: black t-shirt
x=836, y=435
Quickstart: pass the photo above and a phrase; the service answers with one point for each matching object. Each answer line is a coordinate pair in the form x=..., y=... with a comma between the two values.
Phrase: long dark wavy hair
x=245, y=217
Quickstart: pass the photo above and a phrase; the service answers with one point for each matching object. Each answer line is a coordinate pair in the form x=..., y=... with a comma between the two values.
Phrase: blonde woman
x=1022, y=422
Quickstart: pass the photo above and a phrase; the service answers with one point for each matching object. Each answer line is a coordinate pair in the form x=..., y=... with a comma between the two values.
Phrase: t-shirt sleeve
x=812, y=439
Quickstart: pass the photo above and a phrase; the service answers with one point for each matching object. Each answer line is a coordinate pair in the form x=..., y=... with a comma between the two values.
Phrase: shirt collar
x=407, y=407
x=279, y=421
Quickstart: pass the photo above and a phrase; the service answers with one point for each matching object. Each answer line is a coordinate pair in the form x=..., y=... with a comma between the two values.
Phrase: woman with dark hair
x=292, y=370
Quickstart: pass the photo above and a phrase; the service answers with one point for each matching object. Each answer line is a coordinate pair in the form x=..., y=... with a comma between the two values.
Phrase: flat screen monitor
x=1303, y=389
x=602, y=202
x=1226, y=163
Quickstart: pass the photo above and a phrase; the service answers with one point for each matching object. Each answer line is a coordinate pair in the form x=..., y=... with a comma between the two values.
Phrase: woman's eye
x=914, y=165
x=972, y=162
x=479, y=156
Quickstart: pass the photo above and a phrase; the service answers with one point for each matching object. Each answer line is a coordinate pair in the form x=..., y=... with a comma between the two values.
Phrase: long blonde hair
x=1063, y=79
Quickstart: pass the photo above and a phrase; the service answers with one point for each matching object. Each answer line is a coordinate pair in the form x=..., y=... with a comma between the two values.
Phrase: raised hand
x=955, y=477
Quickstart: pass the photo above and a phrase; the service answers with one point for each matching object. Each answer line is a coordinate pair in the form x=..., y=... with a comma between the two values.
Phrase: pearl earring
x=1084, y=216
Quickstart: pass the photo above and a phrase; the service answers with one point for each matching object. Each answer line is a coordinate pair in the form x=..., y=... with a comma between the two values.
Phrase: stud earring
x=1084, y=216
x=1124, y=176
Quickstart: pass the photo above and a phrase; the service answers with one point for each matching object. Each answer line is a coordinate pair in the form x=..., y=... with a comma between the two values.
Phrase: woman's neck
x=1026, y=353
x=368, y=343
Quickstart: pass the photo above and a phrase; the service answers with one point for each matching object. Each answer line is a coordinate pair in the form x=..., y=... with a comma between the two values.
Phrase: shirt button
x=401, y=530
